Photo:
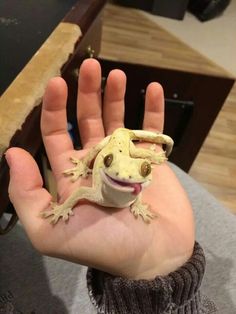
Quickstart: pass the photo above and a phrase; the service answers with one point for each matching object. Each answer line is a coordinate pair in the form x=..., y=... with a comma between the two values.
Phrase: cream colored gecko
x=120, y=172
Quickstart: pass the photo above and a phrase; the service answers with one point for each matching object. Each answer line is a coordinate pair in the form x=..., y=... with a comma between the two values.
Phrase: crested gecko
x=120, y=172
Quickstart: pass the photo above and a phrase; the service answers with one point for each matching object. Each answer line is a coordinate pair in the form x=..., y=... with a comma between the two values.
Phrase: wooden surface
x=215, y=166
x=27, y=89
x=130, y=37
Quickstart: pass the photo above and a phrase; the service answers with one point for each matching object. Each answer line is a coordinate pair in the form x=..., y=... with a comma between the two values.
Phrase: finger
x=89, y=103
x=113, y=108
x=154, y=108
x=54, y=122
x=26, y=190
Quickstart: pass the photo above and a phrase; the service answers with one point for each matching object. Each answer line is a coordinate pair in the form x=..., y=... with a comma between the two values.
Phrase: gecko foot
x=139, y=209
x=57, y=212
x=80, y=170
x=159, y=158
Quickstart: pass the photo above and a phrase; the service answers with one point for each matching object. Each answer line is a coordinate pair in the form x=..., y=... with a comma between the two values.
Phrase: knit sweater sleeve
x=178, y=292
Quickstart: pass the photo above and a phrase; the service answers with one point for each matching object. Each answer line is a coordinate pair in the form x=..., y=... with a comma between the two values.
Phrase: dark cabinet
x=168, y=8
x=192, y=104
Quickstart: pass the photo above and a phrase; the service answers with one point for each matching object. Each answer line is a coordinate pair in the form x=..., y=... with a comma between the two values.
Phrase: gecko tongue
x=137, y=188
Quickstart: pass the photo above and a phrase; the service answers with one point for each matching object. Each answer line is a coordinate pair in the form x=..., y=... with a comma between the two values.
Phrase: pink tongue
x=137, y=188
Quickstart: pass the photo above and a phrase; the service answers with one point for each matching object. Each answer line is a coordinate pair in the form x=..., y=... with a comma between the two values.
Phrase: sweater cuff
x=179, y=289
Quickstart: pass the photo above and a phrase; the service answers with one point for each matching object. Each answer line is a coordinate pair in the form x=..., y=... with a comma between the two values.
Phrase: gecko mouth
x=122, y=185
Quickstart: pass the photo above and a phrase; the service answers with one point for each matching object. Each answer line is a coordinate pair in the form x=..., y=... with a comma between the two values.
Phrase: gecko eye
x=145, y=169
x=108, y=160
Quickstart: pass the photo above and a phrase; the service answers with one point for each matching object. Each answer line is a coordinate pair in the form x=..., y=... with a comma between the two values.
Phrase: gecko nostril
x=117, y=173
x=130, y=177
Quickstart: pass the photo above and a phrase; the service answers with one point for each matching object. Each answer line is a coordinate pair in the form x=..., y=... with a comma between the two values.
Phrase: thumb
x=26, y=190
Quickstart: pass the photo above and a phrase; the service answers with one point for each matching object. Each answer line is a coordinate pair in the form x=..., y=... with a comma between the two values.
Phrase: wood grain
x=215, y=165
x=26, y=91
x=130, y=37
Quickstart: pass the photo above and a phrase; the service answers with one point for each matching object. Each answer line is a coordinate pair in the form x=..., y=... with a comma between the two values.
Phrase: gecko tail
x=154, y=137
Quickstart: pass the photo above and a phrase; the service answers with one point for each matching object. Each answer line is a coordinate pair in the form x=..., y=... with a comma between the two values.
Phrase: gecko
x=120, y=172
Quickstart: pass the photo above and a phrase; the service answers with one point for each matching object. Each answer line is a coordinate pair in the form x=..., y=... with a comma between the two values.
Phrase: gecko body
x=120, y=172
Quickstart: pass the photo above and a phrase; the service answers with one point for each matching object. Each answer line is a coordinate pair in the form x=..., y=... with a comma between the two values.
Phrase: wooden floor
x=215, y=165
x=128, y=36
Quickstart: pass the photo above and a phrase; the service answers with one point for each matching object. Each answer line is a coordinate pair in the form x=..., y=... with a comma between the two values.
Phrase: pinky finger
x=154, y=108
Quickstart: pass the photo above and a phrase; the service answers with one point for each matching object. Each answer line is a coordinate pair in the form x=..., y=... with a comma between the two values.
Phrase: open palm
x=109, y=239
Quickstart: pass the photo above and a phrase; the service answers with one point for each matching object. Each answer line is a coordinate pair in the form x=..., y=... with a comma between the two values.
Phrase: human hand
x=108, y=239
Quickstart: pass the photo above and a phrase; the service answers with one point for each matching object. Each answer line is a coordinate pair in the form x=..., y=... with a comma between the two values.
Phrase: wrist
x=155, y=264
x=179, y=287
x=164, y=267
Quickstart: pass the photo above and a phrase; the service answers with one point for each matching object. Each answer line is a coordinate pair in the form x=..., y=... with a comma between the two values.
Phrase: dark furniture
x=168, y=8
x=192, y=104
x=206, y=10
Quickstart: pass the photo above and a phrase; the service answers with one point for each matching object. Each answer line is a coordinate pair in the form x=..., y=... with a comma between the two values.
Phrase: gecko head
x=126, y=174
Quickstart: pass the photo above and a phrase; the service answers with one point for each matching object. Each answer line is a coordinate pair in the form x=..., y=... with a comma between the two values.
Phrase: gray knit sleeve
x=177, y=293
